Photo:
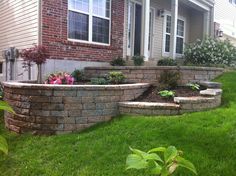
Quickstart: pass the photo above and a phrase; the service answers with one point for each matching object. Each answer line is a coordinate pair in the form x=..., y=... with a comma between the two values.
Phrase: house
x=225, y=18
x=81, y=33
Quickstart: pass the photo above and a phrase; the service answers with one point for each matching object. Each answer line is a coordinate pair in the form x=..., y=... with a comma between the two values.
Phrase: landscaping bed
x=152, y=95
x=207, y=139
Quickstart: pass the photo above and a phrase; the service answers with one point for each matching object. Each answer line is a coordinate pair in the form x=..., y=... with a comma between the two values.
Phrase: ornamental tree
x=38, y=55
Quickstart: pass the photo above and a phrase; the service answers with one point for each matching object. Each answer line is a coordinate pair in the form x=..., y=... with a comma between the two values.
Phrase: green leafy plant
x=119, y=61
x=167, y=62
x=159, y=161
x=210, y=52
x=138, y=60
x=3, y=143
x=116, y=77
x=78, y=75
x=169, y=79
x=99, y=81
x=193, y=86
x=167, y=94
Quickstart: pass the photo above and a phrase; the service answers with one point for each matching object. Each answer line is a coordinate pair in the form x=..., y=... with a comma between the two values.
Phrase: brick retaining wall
x=152, y=74
x=56, y=109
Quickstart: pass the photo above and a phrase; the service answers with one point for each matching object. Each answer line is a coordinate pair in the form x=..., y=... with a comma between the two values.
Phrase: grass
x=208, y=139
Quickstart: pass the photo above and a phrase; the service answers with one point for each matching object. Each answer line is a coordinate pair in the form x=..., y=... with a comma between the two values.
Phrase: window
x=89, y=20
x=179, y=35
x=232, y=2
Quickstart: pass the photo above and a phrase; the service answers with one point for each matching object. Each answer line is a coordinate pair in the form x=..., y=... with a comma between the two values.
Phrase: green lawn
x=208, y=139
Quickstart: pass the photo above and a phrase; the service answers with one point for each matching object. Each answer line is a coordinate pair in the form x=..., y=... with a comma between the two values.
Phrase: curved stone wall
x=209, y=99
x=56, y=109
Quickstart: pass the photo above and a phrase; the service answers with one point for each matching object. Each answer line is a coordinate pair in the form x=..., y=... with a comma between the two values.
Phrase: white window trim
x=167, y=54
x=91, y=15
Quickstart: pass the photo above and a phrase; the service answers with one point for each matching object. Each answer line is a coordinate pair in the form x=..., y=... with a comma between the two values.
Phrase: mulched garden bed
x=151, y=95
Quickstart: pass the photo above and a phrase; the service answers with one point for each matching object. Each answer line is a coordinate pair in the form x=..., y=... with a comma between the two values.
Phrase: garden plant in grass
x=38, y=55
x=193, y=86
x=3, y=143
x=210, y=52
x=119, y=61
x=60, y=78
x=159, y=161
x=167, y=62
x=167, y=94
x=138, y=60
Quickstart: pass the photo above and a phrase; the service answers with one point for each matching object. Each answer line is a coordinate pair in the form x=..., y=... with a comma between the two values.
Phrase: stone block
x=74, y=113
x=45, y=120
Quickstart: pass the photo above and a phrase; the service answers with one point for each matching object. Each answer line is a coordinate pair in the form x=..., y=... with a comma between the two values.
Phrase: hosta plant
x=3, y=143
x=167, y=94
x=193, y=86
x=159, y=161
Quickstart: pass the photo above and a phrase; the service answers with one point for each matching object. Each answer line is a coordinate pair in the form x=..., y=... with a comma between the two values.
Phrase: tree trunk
x=39, y=79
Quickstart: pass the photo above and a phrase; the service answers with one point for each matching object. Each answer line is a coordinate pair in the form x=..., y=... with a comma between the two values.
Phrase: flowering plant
x=60, y=78
x=210, y=51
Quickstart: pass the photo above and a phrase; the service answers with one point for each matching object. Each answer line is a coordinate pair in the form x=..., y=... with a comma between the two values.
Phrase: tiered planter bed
x=56, y=109
x=208, y=99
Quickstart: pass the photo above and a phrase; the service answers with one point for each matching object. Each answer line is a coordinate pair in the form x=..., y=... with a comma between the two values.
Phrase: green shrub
x=167, y=94
x=99, y=81
x=169, y=79
x=167, y=62
x=193, y=86
x=119, y=61
x=3, y=143
x=78, y=75
x=159, y=161
x=116, y=77
x=138, y=60
x=210, y=52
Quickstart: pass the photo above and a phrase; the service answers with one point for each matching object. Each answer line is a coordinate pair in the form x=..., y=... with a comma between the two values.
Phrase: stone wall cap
x=72, y=87
x=149, y=105
x=198, y=99
x=211, y=92
x=114, y=68
x=209, y=84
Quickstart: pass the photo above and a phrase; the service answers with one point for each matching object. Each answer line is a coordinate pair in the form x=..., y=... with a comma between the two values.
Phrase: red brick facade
x=54, y=34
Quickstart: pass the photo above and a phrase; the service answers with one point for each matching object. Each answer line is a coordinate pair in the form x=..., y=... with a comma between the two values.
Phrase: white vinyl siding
x=19, y=24
x=226, y=18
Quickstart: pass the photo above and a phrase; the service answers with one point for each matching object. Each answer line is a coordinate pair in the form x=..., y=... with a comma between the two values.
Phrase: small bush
x=167, y=94
x=99, y=81
x=116, y=77
x=78, y=75
x=210, y=52
x=167, y=62
x=169, y=79
x=119, y=61
x=138, y=60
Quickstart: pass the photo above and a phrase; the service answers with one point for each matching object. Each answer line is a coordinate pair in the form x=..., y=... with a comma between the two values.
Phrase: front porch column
x=146, y=26
x=174, y=21
x=206, y=25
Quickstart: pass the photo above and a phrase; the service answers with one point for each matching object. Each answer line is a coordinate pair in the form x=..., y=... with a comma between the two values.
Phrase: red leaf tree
x=38, y=55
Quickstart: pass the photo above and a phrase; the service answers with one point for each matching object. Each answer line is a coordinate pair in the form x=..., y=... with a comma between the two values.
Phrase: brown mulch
x=151, y=95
